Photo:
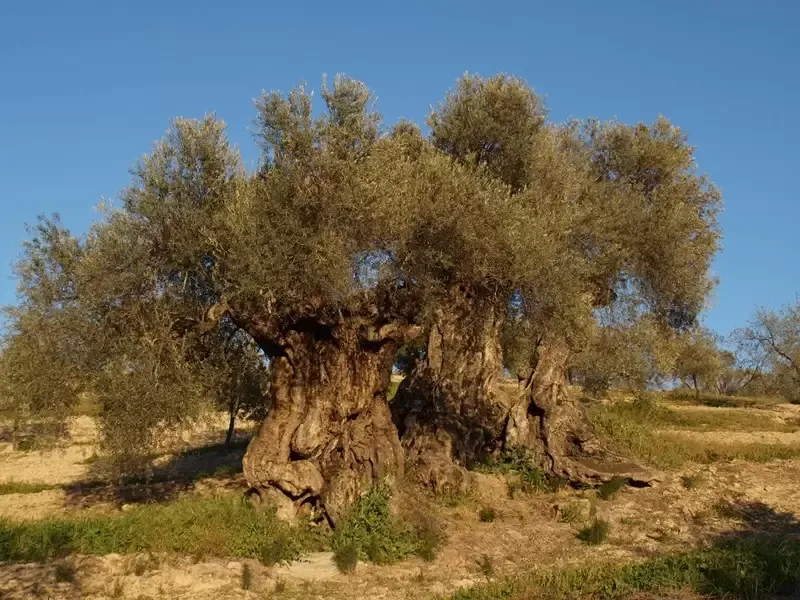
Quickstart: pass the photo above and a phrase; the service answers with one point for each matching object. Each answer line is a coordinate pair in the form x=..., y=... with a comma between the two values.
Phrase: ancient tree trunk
x=328, y=435
x=554, y=427
x=447, y=411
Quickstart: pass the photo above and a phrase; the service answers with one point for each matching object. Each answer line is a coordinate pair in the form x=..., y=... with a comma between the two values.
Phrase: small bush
x=609, y=488
x=377, y=534
x=26, y=445
x=247, y=577
x=429, y=538
x=346, y=558
x=486, y=566
x=65, y=572
x=596, y=533
x=487, y=515
x=140, y=564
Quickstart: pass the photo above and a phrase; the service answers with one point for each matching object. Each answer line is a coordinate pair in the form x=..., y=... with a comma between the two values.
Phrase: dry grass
x=634, y=428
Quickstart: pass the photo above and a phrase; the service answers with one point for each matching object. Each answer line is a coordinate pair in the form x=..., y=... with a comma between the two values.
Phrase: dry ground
x=692, y=506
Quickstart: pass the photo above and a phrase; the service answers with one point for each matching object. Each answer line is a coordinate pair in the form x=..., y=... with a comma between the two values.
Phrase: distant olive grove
x=558, y=251
x=759, y=359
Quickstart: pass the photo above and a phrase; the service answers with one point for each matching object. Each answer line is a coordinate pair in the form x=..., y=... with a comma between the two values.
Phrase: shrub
x=528, y=478
x=571, y=513
x=378, y=535
x=487, y=515
x=595, y=533
x=346, y=558
x=691, y=482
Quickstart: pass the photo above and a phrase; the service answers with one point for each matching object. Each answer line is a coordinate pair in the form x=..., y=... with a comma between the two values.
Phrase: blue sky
x=86, y=87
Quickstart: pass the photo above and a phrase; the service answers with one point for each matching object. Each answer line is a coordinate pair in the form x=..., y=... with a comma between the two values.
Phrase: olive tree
x=605, y=211
x=772, y=340
x=700, y=362
x=350, y=240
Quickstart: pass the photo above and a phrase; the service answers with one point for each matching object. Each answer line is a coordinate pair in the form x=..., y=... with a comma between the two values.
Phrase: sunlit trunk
x=328, y=435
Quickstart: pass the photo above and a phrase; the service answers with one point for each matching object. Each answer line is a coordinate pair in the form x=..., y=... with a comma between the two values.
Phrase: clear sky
x=86, y=87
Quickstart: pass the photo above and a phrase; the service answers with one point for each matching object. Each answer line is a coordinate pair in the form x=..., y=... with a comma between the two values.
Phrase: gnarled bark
x=548, y=422
x=447, y=411
x=328, y=435
x=450, y=411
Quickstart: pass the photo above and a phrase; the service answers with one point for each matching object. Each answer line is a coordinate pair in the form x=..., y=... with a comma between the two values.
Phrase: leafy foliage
x=772, y=341
x=378, y=535
x=527, y=477
x=172, y=302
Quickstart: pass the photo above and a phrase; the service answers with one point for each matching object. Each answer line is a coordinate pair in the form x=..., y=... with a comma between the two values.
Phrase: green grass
x=633, y=428
x=662, y=416
x=14, y=487
x=380, y=536
x=750, y=569
x=199, y=527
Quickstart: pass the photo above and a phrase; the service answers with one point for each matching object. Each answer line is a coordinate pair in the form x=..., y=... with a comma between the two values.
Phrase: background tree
x=700, y=362
x=628, y=355
x=772, y=338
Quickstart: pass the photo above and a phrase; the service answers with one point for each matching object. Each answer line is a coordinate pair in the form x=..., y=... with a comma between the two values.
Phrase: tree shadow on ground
x=166, y=481
x=760, y=559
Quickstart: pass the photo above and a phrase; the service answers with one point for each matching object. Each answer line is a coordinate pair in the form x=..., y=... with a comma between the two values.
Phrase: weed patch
x=197, y=527
x=377, y=534
x=487, y=515
x=571, y=513
x=65, y=572
x=346, y=558
x=527, y=478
